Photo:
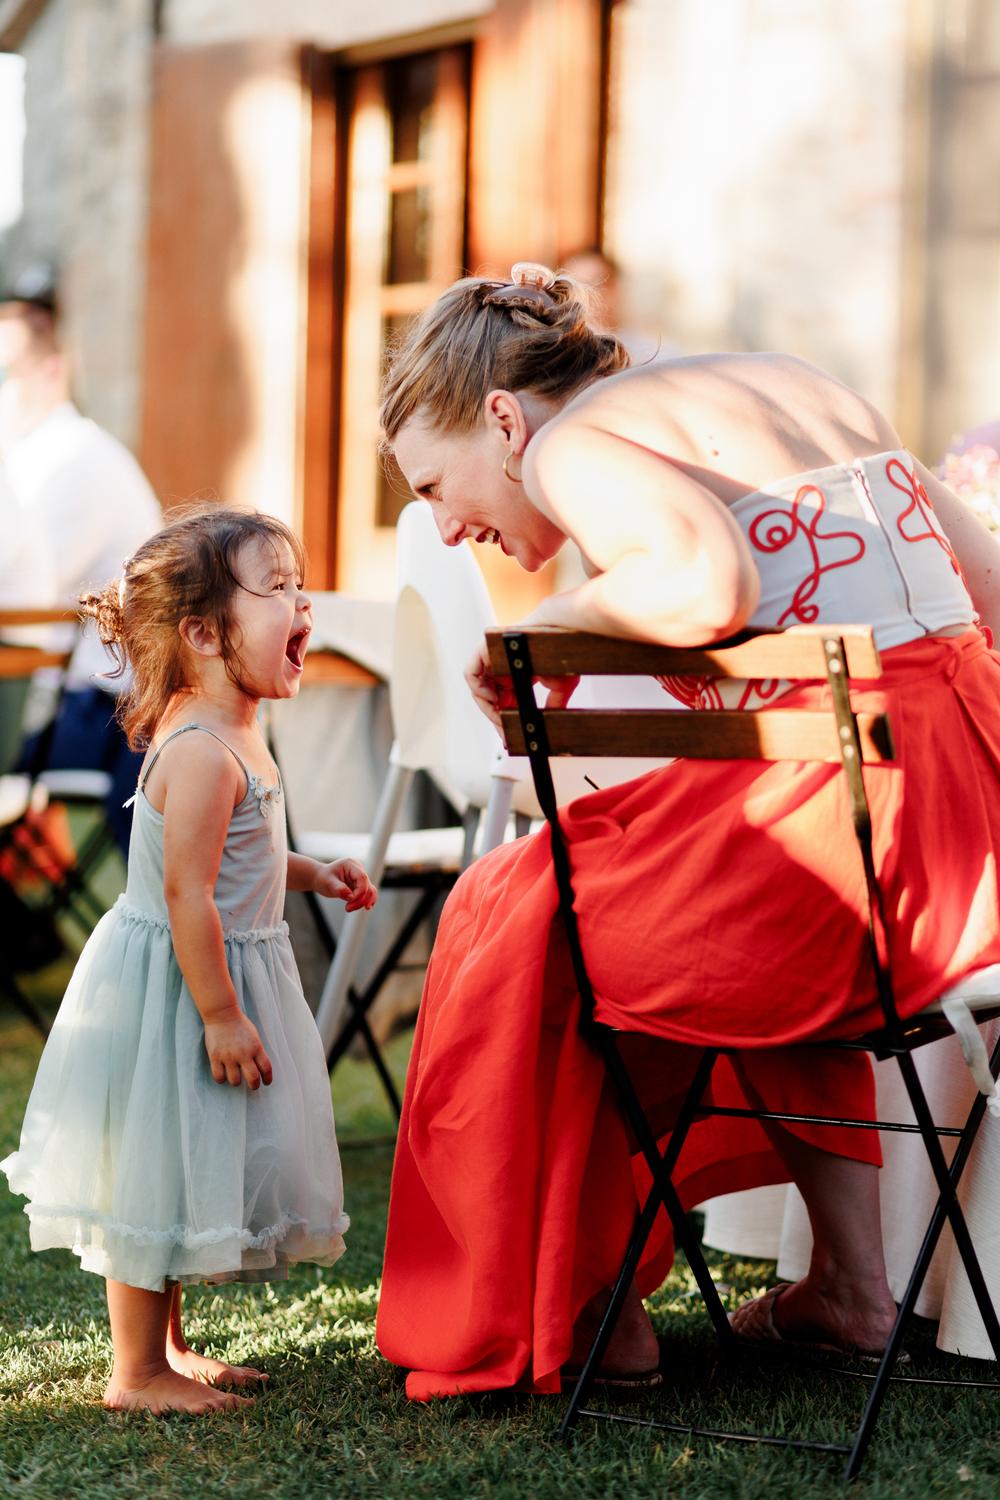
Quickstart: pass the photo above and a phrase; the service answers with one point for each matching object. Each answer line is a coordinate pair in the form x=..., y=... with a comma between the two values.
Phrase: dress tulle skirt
x=719, y=903
x=130, y=1154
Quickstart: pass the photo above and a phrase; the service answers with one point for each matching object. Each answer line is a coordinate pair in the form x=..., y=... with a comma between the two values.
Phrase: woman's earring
x=514, y=478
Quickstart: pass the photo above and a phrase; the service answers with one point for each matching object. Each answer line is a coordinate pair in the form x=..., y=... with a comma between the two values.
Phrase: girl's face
x=272, y=619
x=461, y=475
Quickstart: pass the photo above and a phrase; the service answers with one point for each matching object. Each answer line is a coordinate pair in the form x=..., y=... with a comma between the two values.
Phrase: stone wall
x=754, y=193
x=344, y=23
x=86, y=104
x=87, y=98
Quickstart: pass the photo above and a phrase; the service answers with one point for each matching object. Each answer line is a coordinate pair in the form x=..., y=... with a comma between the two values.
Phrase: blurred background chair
x=39, y=647
x=29, y=935
x=442, y=611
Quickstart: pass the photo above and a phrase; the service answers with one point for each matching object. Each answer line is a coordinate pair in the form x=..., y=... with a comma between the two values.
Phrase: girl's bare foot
x=211, y=1371
x=164, y=1391
x=633, y=1349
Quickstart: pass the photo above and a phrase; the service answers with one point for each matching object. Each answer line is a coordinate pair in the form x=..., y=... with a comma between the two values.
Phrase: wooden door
x=405, y=241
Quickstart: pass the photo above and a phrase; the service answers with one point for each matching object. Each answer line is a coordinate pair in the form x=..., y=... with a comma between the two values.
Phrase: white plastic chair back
x=442, y=612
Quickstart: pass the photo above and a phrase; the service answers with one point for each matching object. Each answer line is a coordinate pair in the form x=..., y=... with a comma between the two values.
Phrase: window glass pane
x=391, y=490
x=410, y=98
x=409, y=235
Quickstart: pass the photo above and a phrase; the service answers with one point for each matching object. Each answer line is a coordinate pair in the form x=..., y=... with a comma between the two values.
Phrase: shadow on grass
x=335, y=1420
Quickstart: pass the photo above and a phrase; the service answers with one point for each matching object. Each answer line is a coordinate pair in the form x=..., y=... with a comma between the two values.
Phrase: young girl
x=149, y=1147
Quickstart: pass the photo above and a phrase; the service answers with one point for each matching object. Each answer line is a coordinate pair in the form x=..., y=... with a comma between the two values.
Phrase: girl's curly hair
x=188, y=568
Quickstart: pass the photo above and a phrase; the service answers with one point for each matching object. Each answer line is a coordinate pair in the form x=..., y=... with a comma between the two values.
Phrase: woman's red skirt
x=720, y=903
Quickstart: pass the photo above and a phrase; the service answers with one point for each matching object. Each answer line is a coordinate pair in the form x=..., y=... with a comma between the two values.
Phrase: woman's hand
x=484, y=687
x=345, y=880
x=491, y=694
x=236, y=1052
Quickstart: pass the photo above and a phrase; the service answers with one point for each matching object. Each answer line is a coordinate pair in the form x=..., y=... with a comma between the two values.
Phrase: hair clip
x=121, y=583
x=531, y=273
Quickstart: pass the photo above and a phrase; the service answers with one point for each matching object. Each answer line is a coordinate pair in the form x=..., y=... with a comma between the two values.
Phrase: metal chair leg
x=21, y=1002
x=876, y=1396
x=637, y=1243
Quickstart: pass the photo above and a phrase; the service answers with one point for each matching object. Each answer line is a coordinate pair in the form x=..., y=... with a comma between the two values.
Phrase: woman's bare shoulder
x=694, y=404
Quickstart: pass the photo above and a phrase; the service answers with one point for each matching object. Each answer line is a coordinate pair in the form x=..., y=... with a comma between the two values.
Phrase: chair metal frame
x=837, y=653
x=20, y=661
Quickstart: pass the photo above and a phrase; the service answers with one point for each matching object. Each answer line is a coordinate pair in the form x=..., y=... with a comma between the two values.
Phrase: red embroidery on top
x=919, y=501
x=704, y=692
x=776, y=529
x=693, y=692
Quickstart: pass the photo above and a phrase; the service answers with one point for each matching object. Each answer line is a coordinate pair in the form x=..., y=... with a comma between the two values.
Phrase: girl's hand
x=236, y=1053
x=345, y=880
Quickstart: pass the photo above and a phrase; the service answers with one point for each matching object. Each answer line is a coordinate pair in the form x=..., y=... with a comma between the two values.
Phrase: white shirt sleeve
x=27, y=567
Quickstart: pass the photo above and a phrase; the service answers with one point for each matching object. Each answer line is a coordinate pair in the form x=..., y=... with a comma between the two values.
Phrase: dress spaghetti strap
x=172, y=736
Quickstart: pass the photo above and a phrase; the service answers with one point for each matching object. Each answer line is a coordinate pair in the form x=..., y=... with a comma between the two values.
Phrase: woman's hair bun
x=534, y=300
x=531, y=333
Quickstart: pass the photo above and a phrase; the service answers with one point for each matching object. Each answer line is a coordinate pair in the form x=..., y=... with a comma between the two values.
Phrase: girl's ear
x=200, y=635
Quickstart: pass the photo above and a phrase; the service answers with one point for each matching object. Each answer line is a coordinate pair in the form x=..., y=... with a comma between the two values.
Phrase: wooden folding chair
x=71, y=891
x=20, y=658
x=833, y=654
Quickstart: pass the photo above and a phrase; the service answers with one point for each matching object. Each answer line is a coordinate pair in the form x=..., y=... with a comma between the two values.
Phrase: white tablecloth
x=771, y=1223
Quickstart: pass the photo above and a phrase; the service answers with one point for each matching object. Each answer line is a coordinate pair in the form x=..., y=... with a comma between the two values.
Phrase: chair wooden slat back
x=796, y=654
x=17, y=659
x=800, y=654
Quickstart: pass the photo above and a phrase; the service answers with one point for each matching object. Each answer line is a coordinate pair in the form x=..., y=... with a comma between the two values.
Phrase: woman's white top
x=854, y=543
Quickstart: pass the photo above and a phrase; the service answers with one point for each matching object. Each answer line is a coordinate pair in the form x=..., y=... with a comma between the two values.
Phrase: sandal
x=757, y=1326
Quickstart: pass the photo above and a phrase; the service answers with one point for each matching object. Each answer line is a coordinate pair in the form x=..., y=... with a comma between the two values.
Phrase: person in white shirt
x=27, y=562
x=27, y=581
x=88, y=496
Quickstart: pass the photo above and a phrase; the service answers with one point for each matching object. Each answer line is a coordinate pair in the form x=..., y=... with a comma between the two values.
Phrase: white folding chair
x=442, y=612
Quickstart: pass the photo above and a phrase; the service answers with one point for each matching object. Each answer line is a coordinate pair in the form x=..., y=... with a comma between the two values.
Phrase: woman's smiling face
x=461, y=474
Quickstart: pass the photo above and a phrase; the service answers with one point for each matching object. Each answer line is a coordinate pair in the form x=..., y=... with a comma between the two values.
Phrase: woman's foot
x=164, y=1391
x=841, y=1316
x=212, y=1371
x=633, y=1349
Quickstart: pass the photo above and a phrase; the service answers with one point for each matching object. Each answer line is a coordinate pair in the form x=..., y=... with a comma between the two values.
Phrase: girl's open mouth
x=295, y=650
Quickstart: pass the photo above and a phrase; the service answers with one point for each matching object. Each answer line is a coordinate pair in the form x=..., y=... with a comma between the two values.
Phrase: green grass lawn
x=334, y=1420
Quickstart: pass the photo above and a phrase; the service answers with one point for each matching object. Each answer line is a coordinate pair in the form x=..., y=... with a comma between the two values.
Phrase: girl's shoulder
x=188, y=751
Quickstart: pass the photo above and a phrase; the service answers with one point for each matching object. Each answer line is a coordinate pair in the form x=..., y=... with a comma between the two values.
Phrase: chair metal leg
x=647, y=1143
x=70, y=893
x=661, y=1194
x=21, y=1002
x=338, y=978
x=494, y=823
x=381, y=1067
x=947, y=1181
x=942, y=1211
x=637, y=1243
x=360, y=1003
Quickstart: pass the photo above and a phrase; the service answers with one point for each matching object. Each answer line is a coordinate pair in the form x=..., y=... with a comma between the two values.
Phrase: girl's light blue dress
x=131, y=1155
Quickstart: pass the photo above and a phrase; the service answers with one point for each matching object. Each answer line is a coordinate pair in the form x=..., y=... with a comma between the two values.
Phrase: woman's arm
x=672, y=565
x=202, y=786
x=976, y=547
